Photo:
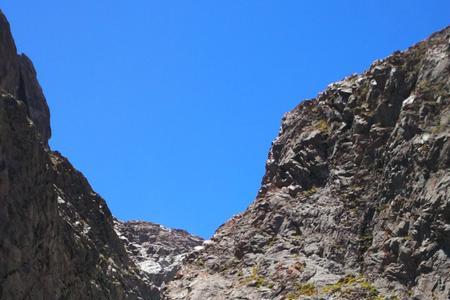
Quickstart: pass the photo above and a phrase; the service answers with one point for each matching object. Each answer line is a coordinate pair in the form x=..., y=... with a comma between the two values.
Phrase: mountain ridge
x=354, y=203
x=58, y=239
x=355, y=200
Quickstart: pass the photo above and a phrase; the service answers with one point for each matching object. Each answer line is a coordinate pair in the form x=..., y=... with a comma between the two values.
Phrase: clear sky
x=169, y=107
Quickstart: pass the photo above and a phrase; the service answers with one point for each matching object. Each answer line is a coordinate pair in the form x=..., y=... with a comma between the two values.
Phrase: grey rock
x=156, y=250
x=355, y=201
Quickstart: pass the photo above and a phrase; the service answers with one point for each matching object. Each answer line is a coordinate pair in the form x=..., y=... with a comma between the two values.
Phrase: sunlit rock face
x=355, y=202
x=155, y=249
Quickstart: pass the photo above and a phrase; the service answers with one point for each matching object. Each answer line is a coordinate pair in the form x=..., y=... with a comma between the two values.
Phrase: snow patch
x=409, y=100
x=199, y=248
x=165, y=228
x=60, y=200
x=425, y=137
x=86, y=229
x=149, y=266
x=178, y=259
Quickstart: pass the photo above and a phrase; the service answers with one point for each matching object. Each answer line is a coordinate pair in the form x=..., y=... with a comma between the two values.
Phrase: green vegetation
x=366, y=241
x=303, y=289
x=256, y=279
x=382, y=207
x=199, y=262
x=351, y=282
x=438, y=129
x=310, y=192
x=322, y=125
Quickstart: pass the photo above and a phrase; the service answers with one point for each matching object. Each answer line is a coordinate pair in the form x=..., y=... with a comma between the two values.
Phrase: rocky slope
x=57, y=236
x=156, y=249
x=355, y=202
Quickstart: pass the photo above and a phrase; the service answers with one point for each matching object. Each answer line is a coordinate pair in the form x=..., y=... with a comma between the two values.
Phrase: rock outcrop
x=355, y=202
x=18, y=78
x=155, y=249
x=57, y=236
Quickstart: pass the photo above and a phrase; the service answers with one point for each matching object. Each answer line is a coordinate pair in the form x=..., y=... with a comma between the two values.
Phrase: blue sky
x=169, y=107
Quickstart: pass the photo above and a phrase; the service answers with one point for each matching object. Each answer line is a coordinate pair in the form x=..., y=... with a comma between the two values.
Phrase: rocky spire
x=18, y=78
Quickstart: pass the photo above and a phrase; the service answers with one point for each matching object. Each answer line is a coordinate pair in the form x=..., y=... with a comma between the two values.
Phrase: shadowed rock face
x=355, y=202
x=18, y=78
x=57, y=236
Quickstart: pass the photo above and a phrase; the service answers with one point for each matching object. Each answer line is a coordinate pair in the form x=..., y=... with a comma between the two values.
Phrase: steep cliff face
x=18, y=78
x=355, y=202
x=57, y=236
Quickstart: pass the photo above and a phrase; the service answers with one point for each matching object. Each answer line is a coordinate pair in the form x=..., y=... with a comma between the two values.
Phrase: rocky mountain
x=355, y=201
x=354, y=204
x=57, y=236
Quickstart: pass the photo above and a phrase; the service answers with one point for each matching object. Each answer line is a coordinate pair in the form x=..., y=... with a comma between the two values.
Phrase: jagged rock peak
x=18, y=78
x=355, y=201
